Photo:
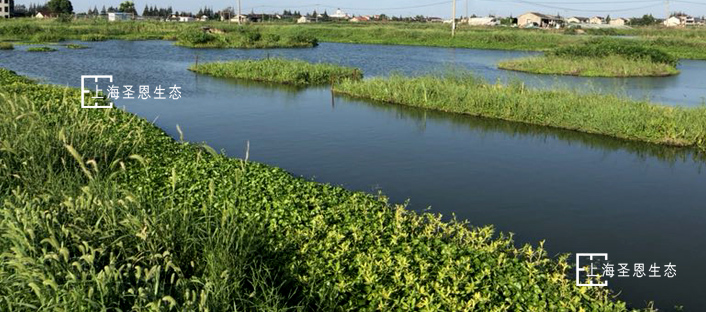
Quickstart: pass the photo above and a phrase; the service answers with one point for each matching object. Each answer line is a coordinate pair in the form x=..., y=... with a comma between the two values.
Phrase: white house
x=303, y=20
x=578, y=20
x=204, y=18
x=618, y=21
x=39, y=15
x=597, y=20
x=672, y=22
x=483, y=21
x=117, y=16
x=339, y=14
x=185, y=19
x=5, y=8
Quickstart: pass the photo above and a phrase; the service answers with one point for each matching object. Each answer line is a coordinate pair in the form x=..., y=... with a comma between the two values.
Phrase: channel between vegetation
x=465, y=94
x=103, y=210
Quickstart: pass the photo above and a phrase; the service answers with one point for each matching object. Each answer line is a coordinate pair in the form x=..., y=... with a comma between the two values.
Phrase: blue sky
x=439, y=8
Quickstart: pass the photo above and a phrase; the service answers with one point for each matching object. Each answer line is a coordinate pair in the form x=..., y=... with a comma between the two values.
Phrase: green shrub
x=8, y=77
x=6, y=46
x=76, y=46
x=94, y=37
x=47, y=37
x=196, y=37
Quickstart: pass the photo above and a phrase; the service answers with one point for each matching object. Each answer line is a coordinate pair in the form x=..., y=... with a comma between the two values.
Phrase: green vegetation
x=41, y=49
x=242, y=38
x=102, y=210
x=76, y=46
x=609, y=66
x=592, y=113
x=682, y=43
x=214, y=35
x=599, y=58
x=6, y=46
x=277, y=70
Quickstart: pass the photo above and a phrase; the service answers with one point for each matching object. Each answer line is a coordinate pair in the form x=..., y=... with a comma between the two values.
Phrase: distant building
x=5, y=8
x=533, y=19
x=597, y=20
x=578, y=20
x=339, y=14
x=303, y=20
x=117, y=16
x=40, y=15
x=618, y=21
x=360, y=19
x=204, y=18
x=483, y=21
x=680, y=21
x=435, y=20
x=185, y=19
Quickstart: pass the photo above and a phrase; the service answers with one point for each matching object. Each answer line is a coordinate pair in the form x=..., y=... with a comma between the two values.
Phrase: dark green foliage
x=41, y=49
x=103, y=211
x=60, y=6
x=625, y=48
x=6, y=46
x=8, y=77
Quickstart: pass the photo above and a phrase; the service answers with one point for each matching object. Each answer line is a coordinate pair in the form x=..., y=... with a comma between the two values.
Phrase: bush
x=93, y=37
x=47, y=37
x=6, y=46
x=196, y=37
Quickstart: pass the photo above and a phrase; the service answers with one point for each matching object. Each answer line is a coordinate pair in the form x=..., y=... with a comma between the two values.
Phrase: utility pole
x=468, y=18
x=238, y=12
x=453, y=18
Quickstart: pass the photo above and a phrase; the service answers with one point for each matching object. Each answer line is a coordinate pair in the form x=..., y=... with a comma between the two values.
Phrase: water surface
x=582, y=193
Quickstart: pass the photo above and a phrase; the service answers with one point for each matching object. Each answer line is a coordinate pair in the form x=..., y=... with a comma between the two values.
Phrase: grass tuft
x=278, y=70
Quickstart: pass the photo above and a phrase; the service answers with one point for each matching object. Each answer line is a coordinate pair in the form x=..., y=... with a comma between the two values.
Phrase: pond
x=639, y=203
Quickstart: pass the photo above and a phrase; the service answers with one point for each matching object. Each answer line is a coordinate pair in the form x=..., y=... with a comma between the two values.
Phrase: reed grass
x=279, y=70
x=6, y=46
x=74, y=46
x=41, y=49
x=591, y=113
x=101, y=210
x=608, y=66
x=680, y=43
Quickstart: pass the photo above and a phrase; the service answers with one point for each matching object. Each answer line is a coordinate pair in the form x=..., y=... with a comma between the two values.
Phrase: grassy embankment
x=102, y=210
x=278, y=70
x=690, y=43
x=591, y=113
x=222, y=35
x=6, y=46
x=599, y=58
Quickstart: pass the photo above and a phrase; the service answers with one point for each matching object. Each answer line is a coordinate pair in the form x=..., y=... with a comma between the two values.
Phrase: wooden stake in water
x=453, y=18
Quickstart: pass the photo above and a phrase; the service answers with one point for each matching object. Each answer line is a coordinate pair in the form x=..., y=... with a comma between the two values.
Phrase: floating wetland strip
x=599, y=58
x=591, y=113
x=106, y=211
x=279, y=70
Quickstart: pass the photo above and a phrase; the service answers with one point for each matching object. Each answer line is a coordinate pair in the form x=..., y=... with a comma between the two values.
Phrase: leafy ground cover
x=102, y=210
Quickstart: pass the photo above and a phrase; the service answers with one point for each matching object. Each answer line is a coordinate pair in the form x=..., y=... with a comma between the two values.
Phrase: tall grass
x=680, y=43
x=591, y=113
x=278, y=70
x=6, y=46
x=605, y=66
x=103, y=211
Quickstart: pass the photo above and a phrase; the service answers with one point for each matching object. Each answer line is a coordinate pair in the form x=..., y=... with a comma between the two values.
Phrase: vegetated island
x=599, y=58
x=278, y=70
x=41, y=49
x=591, y=113
x=102, y=210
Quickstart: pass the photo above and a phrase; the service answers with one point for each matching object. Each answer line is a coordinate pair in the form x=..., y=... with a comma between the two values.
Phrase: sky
x=615, y=8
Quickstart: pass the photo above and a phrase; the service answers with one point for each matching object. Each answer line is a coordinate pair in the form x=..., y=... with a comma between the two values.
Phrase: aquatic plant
x=606, y=66
x=6, y=46
x=101, y=210
x=279, y=70
x=41, y=49
x=591, y=113
x=76, y=46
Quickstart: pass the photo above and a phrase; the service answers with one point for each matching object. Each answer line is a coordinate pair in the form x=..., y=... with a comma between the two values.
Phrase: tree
x=60, y=7
x=607, y=19
x=128, y=7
